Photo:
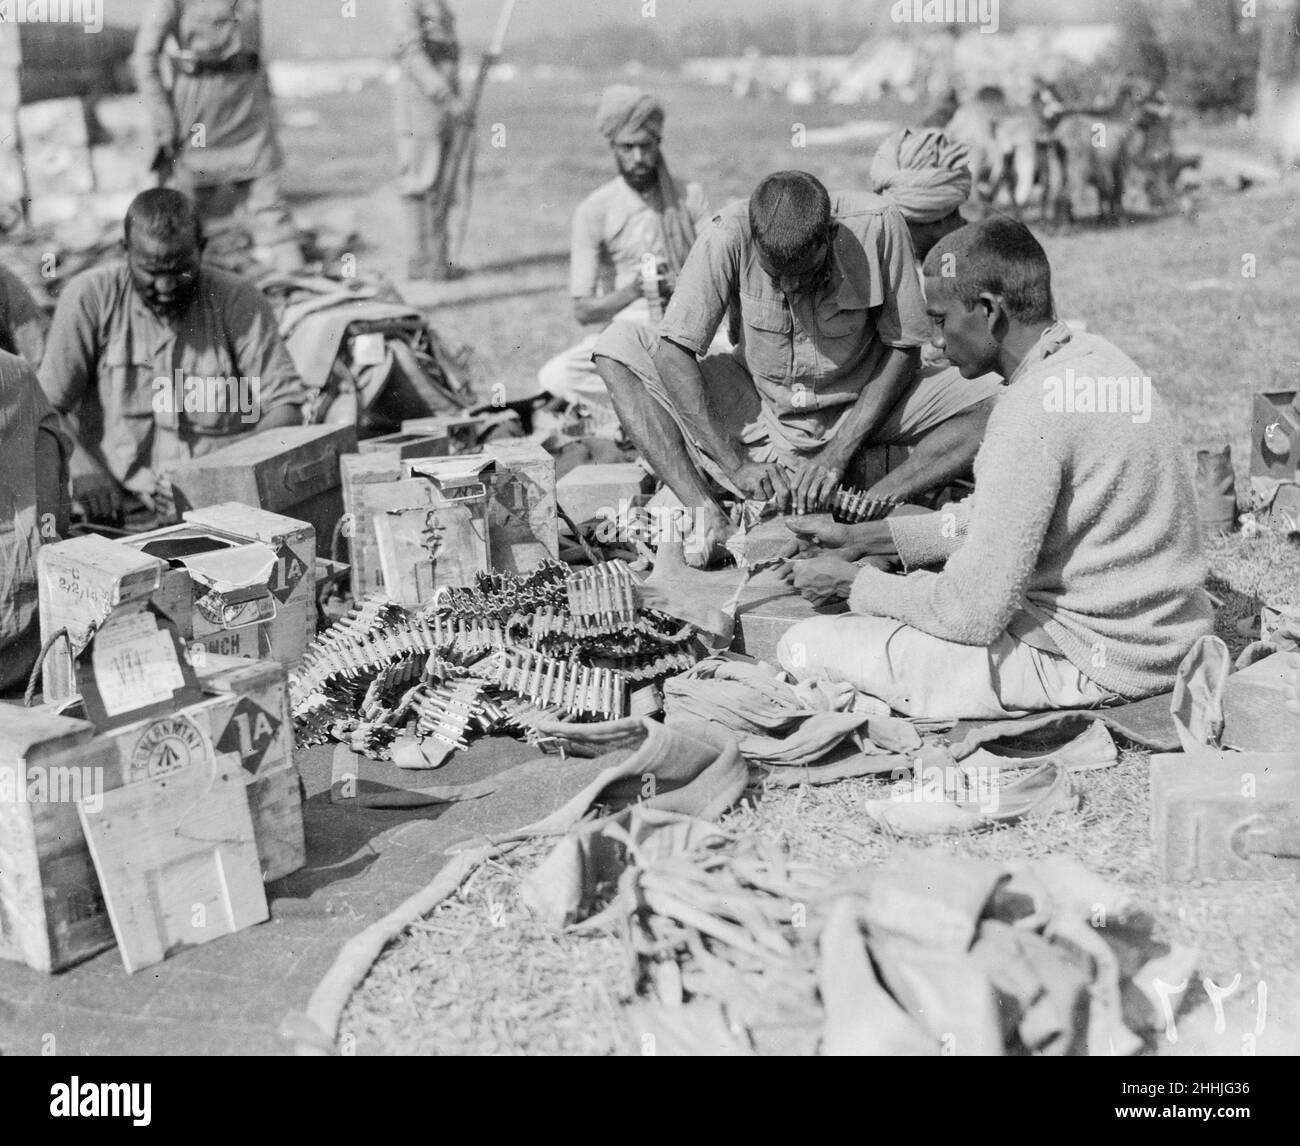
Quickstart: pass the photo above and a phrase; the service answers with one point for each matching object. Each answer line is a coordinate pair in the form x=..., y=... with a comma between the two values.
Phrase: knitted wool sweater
x=1083, y=514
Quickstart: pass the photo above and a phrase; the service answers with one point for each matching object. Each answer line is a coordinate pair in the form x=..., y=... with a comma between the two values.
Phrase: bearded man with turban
x=628, y=233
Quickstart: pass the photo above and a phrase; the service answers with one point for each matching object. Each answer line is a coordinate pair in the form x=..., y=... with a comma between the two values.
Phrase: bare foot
x=706, y=544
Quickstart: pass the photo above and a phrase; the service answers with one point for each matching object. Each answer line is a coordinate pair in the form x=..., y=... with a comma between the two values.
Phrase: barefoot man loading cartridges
x=1073, y=575
x=825, y=370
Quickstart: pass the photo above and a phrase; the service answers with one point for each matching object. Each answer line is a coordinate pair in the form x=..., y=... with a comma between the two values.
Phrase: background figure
x=129, y=337
x=642, y=219
x=34, y=454
x=428, y=110
x=22, y=317
x=200, y=70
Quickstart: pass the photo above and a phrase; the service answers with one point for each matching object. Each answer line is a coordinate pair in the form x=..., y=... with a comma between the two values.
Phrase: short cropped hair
x=1000, y=256
x=163, y=214
x=789, y=213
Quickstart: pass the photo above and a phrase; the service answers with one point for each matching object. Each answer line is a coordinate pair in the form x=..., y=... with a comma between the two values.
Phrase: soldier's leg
x=417, y=161
x=439, y=207
x=272, y=222
x=648, y=424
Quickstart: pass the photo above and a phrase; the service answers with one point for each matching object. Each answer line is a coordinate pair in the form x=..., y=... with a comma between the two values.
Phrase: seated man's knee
x=615, y=375
x=797, y=651
x=552, y=377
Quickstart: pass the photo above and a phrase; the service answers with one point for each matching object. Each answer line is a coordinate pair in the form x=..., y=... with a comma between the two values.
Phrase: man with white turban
x=634, y=229
x=927, y=177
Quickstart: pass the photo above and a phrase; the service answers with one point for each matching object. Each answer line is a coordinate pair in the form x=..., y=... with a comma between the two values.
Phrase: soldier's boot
x=1216, y=499
x=417, y=232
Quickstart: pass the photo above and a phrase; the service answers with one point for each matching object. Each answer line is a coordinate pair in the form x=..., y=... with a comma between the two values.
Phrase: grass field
x=1206, y=305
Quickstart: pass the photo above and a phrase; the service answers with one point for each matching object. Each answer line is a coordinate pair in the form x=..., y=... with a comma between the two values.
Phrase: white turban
x=925, y=173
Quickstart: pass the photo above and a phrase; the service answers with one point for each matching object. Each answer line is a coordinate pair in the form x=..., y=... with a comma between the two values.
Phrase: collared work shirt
x=613, y=228
x=232, y=108
x=108, y=357
x=810, y=355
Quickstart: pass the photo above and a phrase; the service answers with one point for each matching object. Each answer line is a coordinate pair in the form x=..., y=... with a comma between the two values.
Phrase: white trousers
x=920, y=675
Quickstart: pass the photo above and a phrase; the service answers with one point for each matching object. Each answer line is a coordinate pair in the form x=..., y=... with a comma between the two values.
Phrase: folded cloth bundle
x=775, y=722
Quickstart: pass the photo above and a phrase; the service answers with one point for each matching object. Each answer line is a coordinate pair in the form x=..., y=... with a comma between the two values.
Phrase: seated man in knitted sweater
x=1073, y=575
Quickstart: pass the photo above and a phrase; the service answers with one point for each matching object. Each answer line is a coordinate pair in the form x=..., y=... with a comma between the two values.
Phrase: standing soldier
x=213, y=120
x=429, y=108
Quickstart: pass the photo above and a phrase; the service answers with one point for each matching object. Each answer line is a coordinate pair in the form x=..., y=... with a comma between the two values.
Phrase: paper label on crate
x=250, y=734
x=243, y=642
x=287, y=571
x=135, y=664
x=220, y=611
x=167, y=745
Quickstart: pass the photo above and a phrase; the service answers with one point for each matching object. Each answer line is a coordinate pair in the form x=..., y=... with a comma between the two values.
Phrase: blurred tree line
x=1211, y=55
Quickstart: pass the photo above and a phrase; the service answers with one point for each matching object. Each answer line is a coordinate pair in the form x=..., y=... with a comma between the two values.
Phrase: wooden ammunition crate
x=52, y=913
x=80, y=581
x=293, y=471
x=521, y=515
x=279, y=632
x=1275, y=436
x=461, y=431
x=1226, y=815
x=356, y=471
x=402, y=444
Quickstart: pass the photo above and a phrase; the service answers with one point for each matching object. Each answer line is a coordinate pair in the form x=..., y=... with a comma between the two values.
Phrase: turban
x=924, y=172
x=623, y=107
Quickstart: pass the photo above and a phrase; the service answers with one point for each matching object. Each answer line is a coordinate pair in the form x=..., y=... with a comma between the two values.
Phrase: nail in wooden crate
x=52, y=913
x=292, y=471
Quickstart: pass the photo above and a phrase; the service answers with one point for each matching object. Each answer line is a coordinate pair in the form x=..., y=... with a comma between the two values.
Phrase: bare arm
x=599, y=310
x=159, y=22
x=878, y=398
